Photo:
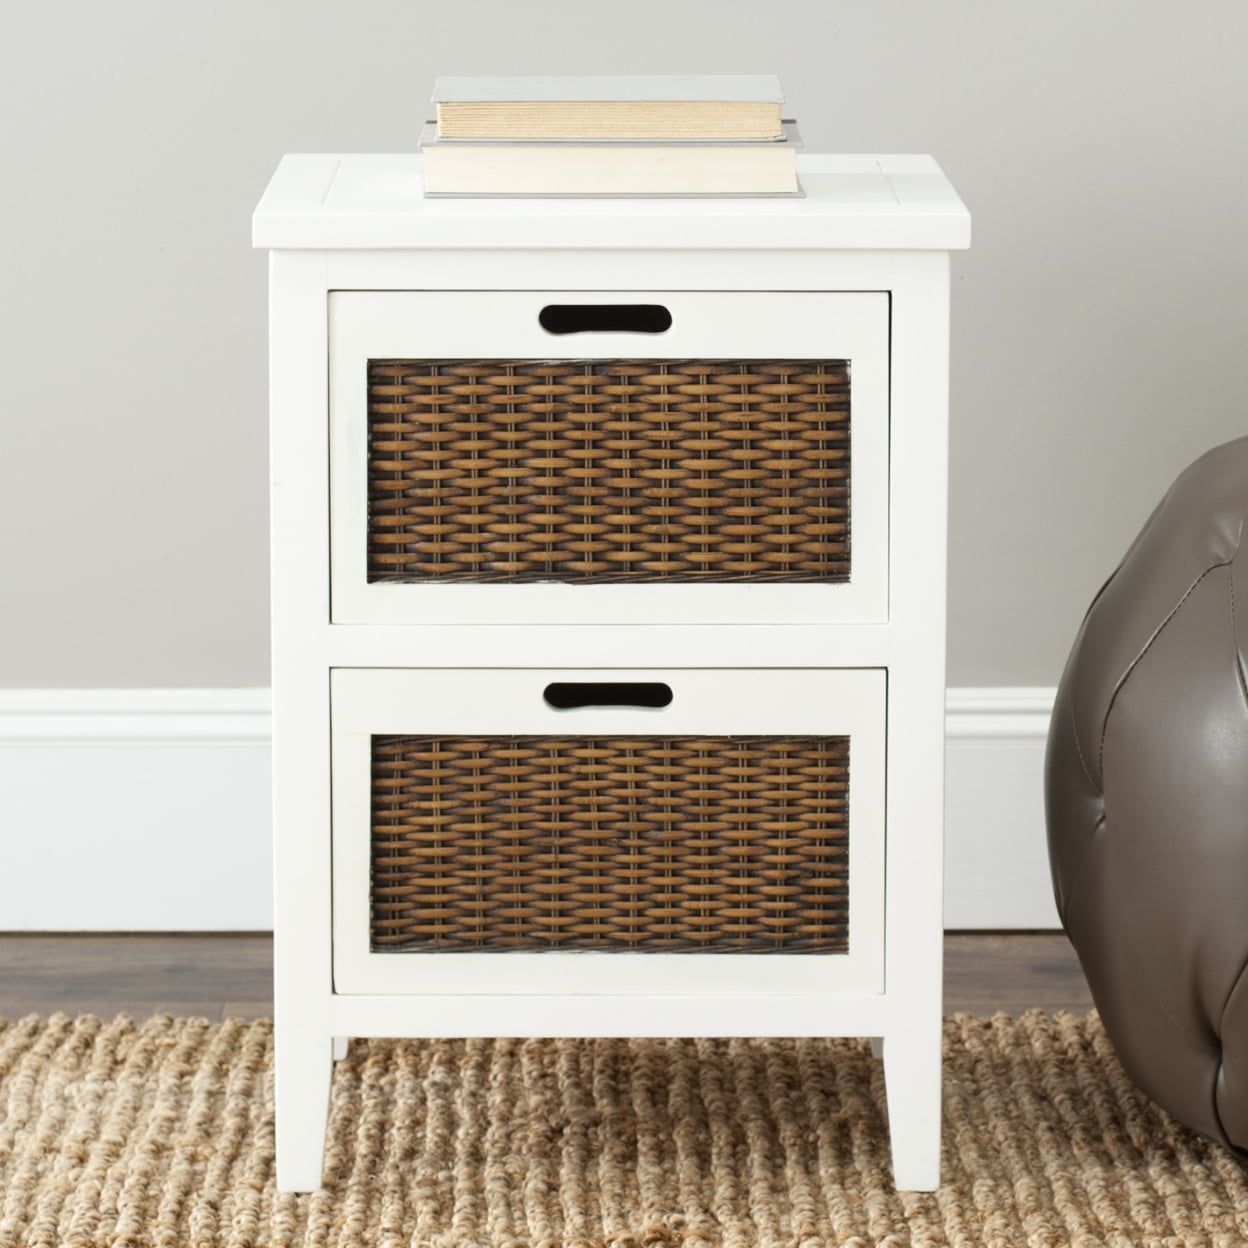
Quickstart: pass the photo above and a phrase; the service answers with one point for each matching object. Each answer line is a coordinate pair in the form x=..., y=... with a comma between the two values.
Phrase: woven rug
x=162, y=1133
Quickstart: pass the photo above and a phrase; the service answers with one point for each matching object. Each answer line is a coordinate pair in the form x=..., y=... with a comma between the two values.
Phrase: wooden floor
x=231, y=975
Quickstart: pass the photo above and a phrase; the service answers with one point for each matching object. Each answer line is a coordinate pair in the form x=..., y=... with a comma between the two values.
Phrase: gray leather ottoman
x=1147, y=794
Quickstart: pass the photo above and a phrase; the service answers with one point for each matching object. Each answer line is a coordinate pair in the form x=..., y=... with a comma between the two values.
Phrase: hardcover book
x=604, y=169
x=672, y=106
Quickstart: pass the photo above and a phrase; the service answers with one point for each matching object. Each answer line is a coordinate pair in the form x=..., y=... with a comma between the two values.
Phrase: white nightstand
x=608, y=618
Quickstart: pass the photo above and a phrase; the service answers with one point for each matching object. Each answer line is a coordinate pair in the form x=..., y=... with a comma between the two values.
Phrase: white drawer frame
x=754, y=701
x=366, y=325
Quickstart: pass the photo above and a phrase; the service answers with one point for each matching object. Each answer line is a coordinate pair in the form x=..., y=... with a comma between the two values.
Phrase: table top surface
x=377, y=201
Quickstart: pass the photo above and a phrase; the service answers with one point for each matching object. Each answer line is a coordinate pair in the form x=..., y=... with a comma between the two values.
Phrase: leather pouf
x=1147, y=795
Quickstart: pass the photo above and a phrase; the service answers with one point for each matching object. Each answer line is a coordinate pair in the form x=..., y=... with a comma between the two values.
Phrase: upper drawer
x=572, y=457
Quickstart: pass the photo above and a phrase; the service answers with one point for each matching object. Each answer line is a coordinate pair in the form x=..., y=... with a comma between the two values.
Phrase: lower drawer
x=546, y=831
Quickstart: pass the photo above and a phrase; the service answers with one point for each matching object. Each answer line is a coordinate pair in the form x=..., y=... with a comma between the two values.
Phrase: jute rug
x=162, y=1133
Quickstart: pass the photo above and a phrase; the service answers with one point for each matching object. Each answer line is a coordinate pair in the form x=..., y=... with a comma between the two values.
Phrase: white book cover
x=608, y=169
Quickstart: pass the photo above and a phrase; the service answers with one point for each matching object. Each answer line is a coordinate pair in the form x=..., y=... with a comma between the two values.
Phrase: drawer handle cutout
x=605, y=318
x=571, y=695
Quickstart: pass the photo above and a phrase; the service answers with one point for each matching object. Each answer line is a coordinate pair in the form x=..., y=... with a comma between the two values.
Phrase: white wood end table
x=608, y=607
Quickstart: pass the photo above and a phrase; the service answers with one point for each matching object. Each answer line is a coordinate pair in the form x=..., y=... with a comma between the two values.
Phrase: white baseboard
x=148, y=810
x=135, y=810
x=996, y=857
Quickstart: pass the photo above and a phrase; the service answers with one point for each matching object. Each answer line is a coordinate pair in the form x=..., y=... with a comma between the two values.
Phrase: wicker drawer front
x=608, y=470
x=537, y=830
x=609, y=842
x=732, y=468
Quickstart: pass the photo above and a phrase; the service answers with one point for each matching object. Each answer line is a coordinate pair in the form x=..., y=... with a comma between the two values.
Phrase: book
x=637, y=107
x=608, y=169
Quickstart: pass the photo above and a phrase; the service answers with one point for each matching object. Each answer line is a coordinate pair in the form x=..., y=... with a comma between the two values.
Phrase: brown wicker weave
x=608, y=470
x=647, y=843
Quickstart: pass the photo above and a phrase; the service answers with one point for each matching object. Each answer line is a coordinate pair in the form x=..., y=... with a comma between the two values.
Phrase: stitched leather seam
x=1078, y=870
x=1226, y=1005
x=1109, y=580
x=1122, y=680
x=1083, y=762
x=1239, y=666
x=1239, y=663
x=1216, y=1049
x=1083, y=858
x=1217, y=1074
x=1208, y=1046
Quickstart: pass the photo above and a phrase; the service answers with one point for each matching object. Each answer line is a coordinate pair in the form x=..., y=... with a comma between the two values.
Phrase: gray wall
x=1099, y=321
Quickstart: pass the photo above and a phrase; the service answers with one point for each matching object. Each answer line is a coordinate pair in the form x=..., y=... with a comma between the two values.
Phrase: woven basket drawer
x=610, y=842
x=490, y=470
x=608, y=470
x=477, y=817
